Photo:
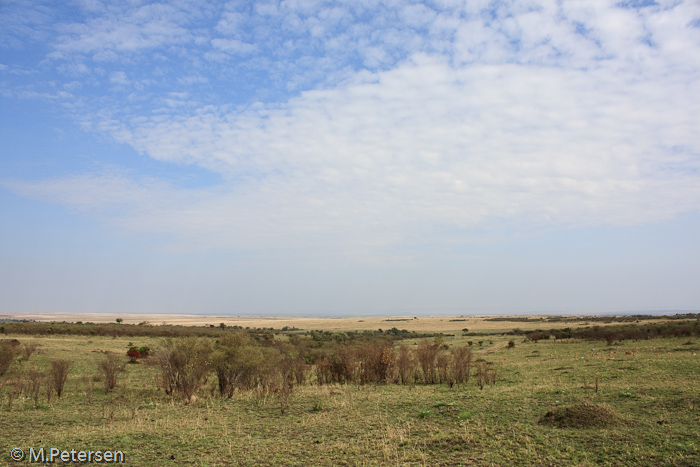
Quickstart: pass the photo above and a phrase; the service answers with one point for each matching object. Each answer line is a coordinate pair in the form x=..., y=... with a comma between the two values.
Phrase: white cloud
x=125, y=31
x=547, y=114
x=119, y=77
x=233, y=46
x=402, y=154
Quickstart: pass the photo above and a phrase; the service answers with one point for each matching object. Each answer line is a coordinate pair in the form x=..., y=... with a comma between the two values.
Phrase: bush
x=235, y=360
x=405, y=364
x=133, y=354
x=110, y=368
x=184, y=365
x=461, y=364
x=338, y=366
x=7, y=355
x=35, y=381
x=28, y=350
x=444, y=367
x=59, y=374
x=376, y=362
x=426, y=354
x=485, y=374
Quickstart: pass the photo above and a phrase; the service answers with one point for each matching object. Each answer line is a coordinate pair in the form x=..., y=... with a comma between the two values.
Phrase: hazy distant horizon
x=436, y=314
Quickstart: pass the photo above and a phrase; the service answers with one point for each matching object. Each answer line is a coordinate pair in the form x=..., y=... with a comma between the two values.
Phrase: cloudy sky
x=361, y=157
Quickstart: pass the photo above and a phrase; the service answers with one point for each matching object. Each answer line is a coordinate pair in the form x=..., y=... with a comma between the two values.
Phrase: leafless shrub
x=405, y=364
x=89, y=385
x=337, y=366
x=485, y=374
x=28, y=350
x=461, y=364
x=8, y=351
x=16, y=387
x=110, y=368
x=35, y=381
x=59, y=375
x=443, y=363
x=343, y=363
x=286, y=372
x=375, y=363
x=426, y=354
x=49, y=389
x=323, y=371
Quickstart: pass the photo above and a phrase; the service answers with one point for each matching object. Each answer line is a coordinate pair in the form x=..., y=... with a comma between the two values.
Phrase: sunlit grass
x=650, y=386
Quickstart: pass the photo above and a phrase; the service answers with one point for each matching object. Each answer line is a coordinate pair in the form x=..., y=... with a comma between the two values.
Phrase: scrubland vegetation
x=619, y=395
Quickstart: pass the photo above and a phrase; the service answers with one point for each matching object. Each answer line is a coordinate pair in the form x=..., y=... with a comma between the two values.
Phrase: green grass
x=651, y=387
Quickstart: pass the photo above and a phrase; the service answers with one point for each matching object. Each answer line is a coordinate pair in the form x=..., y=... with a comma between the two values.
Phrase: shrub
x=35, y=380
x=376, y=362
x=7, y=356
x=133, y=354
x=461, y=364
x=184, y=364
x=28, y=350
x=511, y=344
x=405, y=364
x=485, y=374
x=426, y=354
x=444, y=367
x=236, y=361
x=110, y=368
x=59, y=375
x=338, y=366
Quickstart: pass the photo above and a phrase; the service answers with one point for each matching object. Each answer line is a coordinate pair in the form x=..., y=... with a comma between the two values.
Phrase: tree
x=119, y=320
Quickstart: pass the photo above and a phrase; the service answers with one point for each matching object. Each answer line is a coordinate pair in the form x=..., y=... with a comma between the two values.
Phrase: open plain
x=563, y=402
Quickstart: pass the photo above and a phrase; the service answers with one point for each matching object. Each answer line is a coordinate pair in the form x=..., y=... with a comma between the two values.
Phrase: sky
x=349, y=157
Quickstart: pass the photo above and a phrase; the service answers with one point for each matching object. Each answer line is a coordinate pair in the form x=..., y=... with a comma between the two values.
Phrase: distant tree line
x=618, y=333
x=146, y=330
x=595, y=319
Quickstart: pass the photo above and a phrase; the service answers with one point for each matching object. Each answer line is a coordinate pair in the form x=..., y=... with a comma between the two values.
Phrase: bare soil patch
x=583, y=415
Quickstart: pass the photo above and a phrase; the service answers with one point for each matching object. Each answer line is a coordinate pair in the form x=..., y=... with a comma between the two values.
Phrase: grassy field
x=568, y=403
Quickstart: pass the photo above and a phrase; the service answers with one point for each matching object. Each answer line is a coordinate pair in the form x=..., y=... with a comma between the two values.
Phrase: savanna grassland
x=325, y=398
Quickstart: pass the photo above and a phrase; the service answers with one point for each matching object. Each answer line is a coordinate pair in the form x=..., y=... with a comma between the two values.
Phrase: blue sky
x=335, y=158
